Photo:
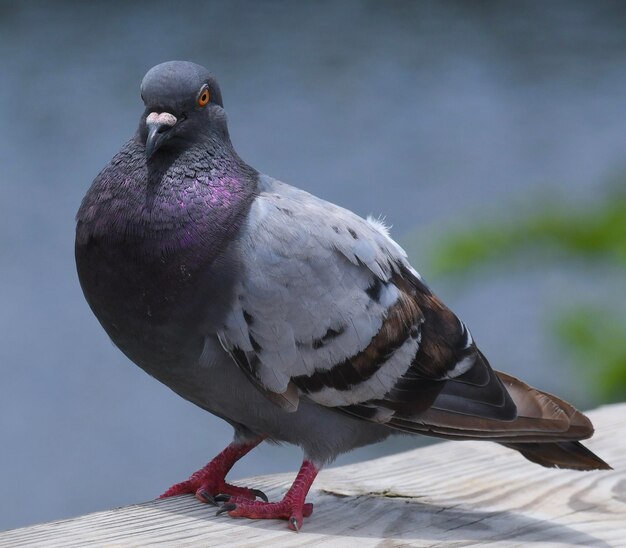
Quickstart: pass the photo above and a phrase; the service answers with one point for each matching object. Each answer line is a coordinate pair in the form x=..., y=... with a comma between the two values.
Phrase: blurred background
x=491, y=135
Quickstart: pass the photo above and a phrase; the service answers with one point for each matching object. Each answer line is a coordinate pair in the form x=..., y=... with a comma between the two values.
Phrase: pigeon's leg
x=292, y=507
x=211, y=480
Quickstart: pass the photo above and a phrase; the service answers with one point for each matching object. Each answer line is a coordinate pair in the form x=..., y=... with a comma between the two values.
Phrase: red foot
x=292, y=507
x=209, y=481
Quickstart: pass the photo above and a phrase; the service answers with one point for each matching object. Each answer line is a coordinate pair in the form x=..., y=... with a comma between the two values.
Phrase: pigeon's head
x=183, y=105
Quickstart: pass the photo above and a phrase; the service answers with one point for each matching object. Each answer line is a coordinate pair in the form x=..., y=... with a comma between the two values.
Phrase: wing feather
x=322, y=301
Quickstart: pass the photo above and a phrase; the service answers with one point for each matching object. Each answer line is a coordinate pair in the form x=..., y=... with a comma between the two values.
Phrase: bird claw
x=226, y=508
x=260, y=495
x=208, y=498
x=214, y=492
x=287, y=509
x=292, y=508
x=211, y=479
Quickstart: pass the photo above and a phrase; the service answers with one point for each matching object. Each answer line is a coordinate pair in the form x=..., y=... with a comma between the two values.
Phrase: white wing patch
x=376, y=386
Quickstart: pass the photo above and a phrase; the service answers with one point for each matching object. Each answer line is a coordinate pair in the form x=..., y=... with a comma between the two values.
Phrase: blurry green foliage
x=594, y=233
x=590, y=233
x=597, y=338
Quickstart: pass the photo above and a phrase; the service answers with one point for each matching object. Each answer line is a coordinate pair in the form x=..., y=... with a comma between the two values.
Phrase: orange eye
x=204, y=98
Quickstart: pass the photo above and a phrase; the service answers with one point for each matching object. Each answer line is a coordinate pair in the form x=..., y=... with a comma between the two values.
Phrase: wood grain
x=448, y=494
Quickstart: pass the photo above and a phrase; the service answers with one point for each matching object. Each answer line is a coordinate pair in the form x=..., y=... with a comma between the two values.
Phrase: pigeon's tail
x=566, y=454
x=559, y=454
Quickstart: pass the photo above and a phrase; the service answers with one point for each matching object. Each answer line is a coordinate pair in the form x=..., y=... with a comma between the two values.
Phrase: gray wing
x=324, y=307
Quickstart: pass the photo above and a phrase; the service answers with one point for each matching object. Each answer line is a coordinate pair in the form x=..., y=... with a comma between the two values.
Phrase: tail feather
x=559, y=454
x=568, y=454
x=553, y=412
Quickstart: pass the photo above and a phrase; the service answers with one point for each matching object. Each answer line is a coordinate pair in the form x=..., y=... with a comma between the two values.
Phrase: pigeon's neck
x=174, y=202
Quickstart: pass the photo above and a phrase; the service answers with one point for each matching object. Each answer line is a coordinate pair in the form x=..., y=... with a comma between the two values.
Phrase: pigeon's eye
x=203, y=99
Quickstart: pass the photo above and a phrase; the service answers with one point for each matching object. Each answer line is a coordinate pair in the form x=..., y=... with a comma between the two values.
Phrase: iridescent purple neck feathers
x=196, y=198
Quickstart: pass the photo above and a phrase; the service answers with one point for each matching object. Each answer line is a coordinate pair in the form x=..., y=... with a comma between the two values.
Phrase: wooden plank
x=448, y=494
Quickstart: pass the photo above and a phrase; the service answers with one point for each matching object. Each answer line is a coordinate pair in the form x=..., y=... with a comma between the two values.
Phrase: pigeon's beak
x=158, y=125
x=156, y=134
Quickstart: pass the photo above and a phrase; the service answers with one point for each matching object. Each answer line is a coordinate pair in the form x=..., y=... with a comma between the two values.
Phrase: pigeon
x=291, y=318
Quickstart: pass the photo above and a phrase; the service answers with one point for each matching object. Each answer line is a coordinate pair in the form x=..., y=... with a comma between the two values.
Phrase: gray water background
x=434, y=114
